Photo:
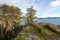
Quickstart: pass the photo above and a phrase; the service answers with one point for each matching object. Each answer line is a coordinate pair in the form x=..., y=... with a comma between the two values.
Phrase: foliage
x=30, y=15
x=22, y=36
x=10, y=17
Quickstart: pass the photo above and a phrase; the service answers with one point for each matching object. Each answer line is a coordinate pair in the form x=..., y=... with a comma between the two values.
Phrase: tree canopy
x=9, y=16
x=30, y=15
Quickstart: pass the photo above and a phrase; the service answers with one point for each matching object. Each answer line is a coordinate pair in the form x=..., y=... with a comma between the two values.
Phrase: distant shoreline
x=50, y=18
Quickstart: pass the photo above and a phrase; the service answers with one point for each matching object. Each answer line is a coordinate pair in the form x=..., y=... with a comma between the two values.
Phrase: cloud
x=23, y=4
x=55, y=3
x=53, y=6
x=43, y=7
x=8, y=2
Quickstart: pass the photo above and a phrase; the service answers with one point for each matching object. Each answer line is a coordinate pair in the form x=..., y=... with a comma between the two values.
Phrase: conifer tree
x=30, y=15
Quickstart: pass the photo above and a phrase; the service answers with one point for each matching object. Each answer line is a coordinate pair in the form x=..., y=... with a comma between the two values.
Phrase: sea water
x=55, y=21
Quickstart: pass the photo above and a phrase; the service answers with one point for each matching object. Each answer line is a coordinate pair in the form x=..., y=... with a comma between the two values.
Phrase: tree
x=10, y=17
x=30, y=15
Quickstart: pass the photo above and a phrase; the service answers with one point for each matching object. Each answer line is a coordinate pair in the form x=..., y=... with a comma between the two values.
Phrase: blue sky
x=45, y=8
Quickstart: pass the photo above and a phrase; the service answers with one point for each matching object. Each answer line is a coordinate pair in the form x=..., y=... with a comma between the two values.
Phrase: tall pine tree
x=30, y=15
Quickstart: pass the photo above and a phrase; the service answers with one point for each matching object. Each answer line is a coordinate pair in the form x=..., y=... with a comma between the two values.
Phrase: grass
x=22, y=36
x=40, y=31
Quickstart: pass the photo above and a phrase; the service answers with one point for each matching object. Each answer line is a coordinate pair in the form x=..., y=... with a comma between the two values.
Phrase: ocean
x=55, y=21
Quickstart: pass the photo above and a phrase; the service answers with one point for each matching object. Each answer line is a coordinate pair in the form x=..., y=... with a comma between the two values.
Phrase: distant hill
x=50, y=18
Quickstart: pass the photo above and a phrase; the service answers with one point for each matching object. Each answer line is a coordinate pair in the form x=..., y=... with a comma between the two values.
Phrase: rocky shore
x=52, y=32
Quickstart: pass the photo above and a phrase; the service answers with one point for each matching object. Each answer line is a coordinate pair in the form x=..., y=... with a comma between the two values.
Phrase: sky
x=44, y=8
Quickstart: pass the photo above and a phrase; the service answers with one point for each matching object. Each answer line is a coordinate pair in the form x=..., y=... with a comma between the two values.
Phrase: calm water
x=53, y=21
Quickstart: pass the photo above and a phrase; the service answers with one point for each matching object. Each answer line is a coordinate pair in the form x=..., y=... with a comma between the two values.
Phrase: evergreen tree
x=30, y=15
